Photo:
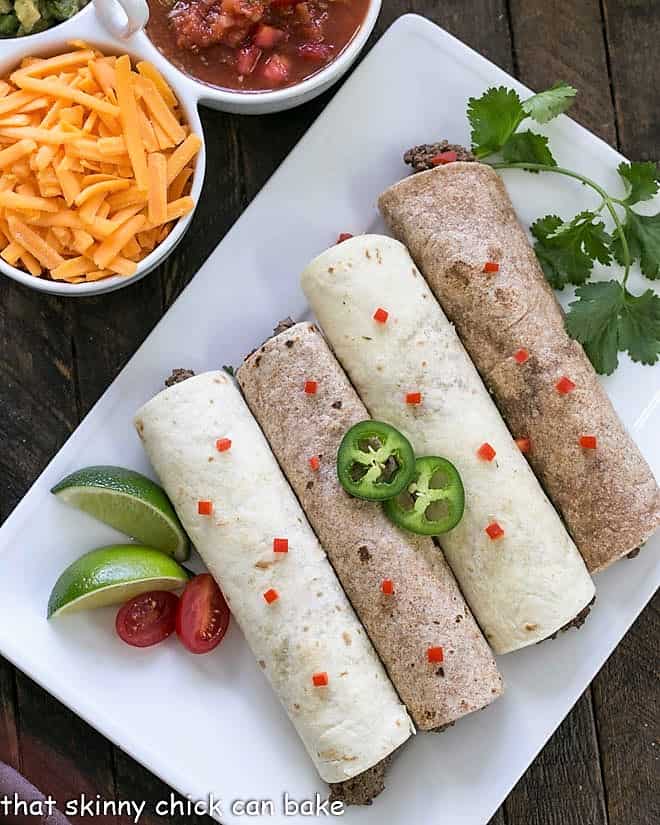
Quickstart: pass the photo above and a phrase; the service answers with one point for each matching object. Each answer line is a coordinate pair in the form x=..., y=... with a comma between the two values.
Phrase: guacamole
x=19, y=17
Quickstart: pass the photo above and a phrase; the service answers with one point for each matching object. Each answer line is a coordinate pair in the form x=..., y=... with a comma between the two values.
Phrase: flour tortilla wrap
x=453, y=220
x=363, y=546
x=357, y=720
x=526, y=585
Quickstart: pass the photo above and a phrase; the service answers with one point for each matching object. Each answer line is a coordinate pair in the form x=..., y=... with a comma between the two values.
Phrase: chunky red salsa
x=253, y=45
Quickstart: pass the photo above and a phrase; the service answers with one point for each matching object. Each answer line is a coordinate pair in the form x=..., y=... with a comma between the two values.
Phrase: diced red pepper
x=494, y=531
x=486, y=452
x=276, y=69
x=524, y=444
x=280, y=545
x=247, y=60
x=223, y=444
x=315, y=463
x=414, y=398
x=491, y=266
x=204, y=508
x=444, y=158
x=564, y=385
x=344, y=236
x=387, y=587
x=521, y=356
x=381, y=315
x=271, y=596
x=267, y=37
x=588, y=442
x=311, y=387
x=315, y=51
x=436, y=655
x=320, y=679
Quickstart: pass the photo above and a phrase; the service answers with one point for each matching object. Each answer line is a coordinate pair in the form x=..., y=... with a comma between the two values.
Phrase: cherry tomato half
x=202, y=617
x=148, y=618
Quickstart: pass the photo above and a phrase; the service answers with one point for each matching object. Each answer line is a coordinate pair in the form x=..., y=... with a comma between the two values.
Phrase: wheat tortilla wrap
x=357, y=720
x=363, y=546
x=455, y=219
x=530, y=582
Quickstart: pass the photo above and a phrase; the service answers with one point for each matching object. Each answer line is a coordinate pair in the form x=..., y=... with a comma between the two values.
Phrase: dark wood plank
x=60, y=754
x=37, y=406
x=135, y=782
x=627, y=704
x=9, y=748
x=563, y=40
x=106, y=330
x=633, y=33
x=563, y=786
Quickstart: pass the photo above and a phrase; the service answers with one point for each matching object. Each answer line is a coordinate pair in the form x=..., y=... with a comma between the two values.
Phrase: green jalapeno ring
x=433, y=502
x=375, y=461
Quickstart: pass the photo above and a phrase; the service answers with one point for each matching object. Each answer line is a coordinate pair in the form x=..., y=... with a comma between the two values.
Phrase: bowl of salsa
x=258, y=56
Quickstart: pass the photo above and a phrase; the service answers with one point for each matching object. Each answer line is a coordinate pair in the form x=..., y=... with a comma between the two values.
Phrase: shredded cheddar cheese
x=95, y=165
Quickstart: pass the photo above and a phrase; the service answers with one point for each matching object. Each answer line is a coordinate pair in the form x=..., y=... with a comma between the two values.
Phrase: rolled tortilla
x=524, y=586
x=453, y=220
x=357, y=720
x=427, y=608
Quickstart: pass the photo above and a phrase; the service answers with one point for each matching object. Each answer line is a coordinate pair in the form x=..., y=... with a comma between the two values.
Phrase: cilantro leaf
x=643, y=235
x=494, y=117
x=528, y=147
x=545, y=106
x=639, y=327
x=641, y=180
x=567, y=251
x=607, y=319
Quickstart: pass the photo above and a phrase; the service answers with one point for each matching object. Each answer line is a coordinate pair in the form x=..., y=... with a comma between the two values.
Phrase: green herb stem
x=607, y=201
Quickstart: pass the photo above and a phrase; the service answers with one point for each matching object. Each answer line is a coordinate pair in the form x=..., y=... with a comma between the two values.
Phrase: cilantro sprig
x=606, y=317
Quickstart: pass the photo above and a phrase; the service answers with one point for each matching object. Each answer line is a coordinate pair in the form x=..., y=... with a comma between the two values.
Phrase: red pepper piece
x=414, y=398
x=204, y=508
x=486, y=452
x=320, y=679
x=491, y=267
x=345, y=236
x=564, y=385
x=444, y=157
x=271, y=596
x=436, y=655
x=311, y=387
x=381, y=315
x=524, y=444
x=494, y=531
x=280, y=545
x=521, y=356
x=223, y=444
x=315, y=463
x=588, y=442
x=387, y=587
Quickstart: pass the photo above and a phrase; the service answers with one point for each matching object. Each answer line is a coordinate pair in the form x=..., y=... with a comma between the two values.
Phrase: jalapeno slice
x=375, y=461
x=434, y=500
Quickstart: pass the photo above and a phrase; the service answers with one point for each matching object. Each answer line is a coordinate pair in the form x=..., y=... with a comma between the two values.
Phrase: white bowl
x=116, y=26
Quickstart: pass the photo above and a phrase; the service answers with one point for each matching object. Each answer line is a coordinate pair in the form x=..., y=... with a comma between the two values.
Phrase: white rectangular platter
x=211, y=724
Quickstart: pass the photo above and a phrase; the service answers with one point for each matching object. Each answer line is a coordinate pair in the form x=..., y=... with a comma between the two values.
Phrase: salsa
x=253, y=45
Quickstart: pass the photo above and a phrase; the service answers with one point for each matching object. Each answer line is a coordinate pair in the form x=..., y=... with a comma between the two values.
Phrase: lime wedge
x=129, y=502
x=113, y=575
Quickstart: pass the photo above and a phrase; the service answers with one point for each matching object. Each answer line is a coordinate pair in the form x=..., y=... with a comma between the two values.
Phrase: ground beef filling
x=420, y=158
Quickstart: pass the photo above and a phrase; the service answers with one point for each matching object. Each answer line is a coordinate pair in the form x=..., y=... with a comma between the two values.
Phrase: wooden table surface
x=59, y=355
